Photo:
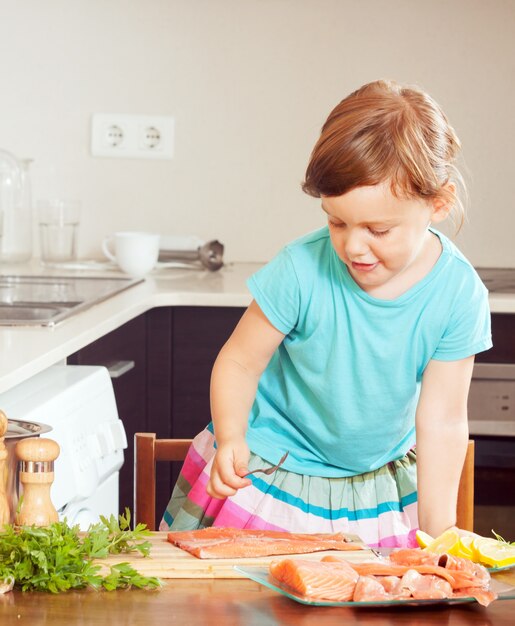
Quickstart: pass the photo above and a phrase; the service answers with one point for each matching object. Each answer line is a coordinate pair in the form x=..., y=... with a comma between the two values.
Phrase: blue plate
x=492, y=570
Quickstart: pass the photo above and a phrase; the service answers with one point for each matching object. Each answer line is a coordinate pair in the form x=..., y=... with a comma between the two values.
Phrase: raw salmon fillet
x=316, y=579
x=465, y=572
x=221, y=543
x=405, y=575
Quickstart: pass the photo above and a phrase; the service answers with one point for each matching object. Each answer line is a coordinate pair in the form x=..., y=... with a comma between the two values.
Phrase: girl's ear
x=442, y=205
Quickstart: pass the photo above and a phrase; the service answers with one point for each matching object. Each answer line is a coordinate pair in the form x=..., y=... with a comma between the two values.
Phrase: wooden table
x=219, y=602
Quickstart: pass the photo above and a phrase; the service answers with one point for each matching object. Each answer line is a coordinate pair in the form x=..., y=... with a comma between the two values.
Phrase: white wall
x=249, y=83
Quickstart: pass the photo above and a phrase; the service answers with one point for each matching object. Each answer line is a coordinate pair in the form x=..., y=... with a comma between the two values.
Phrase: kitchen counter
x=26, y=351
x=225, y=602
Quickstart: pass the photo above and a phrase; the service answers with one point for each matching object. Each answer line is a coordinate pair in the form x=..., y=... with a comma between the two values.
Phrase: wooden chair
x=465, y=508
x=148, y=450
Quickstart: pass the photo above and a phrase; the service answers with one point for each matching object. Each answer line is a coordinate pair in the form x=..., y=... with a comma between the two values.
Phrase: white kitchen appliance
x=78, y=402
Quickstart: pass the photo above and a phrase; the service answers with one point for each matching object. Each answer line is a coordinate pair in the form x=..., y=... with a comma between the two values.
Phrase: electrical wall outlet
x=132, y=136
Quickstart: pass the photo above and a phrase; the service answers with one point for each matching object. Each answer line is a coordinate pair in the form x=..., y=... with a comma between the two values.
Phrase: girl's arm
x=234, y=381
x=442, y=436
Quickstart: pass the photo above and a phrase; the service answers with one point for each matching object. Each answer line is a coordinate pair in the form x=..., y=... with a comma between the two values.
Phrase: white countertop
x=25, y=351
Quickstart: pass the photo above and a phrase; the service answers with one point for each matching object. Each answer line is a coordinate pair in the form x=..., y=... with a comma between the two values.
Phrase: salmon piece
x=212, y=543
x=458, y=579
x=413, y=556
x=400, y=570
x=416, y=556
x=370, y=589
x=315, y=579
x=425, y=586
x=411, y=585
x=392, y=585
x=217, y=532
x=483, y=596
x=455, y=564
x=387, y=568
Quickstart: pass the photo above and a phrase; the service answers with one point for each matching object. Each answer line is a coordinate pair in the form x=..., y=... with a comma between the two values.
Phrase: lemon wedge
x=494, y=553
x=448, y=541
x=465, y=548
x=423, y=539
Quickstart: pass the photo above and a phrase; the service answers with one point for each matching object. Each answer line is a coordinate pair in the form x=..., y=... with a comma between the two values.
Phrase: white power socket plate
x=132, y=136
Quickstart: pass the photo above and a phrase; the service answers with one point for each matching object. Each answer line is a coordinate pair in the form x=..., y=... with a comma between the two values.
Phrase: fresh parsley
x=58, y=557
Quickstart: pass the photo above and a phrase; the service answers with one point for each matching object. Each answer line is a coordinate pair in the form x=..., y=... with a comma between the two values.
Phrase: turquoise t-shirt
x=341, y=391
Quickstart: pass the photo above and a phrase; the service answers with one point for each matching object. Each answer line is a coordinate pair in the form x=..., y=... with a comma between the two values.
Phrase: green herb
x=58, y=557
x=114, y=536
x=499, y=538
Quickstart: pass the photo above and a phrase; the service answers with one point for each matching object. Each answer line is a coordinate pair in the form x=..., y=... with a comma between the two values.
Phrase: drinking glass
x=58, y=228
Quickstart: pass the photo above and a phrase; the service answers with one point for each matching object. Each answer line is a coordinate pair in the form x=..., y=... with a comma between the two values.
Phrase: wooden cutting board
x=168, y=561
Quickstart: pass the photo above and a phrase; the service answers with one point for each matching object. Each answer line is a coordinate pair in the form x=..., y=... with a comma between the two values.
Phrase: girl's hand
x=229, y=466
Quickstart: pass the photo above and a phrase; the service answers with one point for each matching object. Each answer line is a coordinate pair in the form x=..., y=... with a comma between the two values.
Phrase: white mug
x=135, y=253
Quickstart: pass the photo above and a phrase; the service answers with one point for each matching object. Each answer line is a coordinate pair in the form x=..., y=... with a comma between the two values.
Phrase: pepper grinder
x=5, y=514
x=37, y=456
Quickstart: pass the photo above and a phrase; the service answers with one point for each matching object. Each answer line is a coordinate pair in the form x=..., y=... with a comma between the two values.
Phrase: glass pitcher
x=15, y=209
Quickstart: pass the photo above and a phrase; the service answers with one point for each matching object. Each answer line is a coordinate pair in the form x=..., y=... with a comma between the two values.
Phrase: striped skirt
x=379, y=506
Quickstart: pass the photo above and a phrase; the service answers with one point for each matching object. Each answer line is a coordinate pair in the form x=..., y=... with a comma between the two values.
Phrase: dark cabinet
x=167, y=390
x=198, y=335
x=159, y=413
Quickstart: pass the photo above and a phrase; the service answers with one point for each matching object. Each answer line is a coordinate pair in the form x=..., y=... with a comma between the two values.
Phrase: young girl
x=356, y=354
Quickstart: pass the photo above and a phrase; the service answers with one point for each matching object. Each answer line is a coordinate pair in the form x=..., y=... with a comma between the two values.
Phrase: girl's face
x=378, y=236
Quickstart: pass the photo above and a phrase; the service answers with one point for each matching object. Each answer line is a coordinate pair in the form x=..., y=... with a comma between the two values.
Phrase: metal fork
x=269, y=470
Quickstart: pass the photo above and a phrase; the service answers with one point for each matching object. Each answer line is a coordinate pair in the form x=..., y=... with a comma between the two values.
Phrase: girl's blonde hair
x=387, y=132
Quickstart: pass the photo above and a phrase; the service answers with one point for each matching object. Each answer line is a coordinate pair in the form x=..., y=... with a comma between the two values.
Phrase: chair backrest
x=148, y=450
x=465, y=508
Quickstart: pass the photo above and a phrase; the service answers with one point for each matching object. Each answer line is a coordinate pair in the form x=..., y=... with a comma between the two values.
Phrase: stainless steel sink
x=48, y=300
x=33, y=311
